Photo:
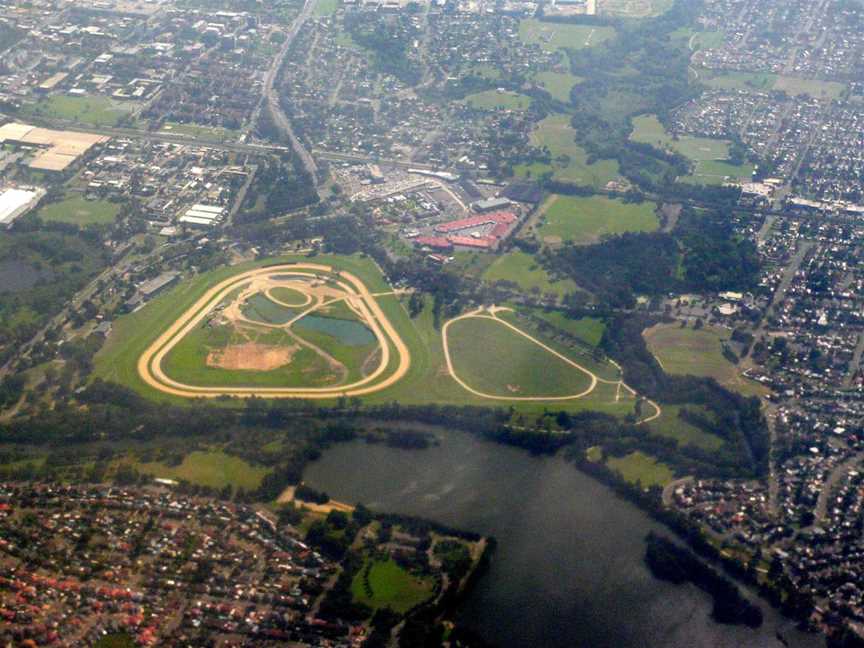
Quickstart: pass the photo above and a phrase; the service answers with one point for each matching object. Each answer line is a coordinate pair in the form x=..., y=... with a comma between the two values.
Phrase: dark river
x=568, y=571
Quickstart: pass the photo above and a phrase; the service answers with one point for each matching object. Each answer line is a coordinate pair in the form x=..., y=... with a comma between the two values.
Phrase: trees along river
x=569, y=568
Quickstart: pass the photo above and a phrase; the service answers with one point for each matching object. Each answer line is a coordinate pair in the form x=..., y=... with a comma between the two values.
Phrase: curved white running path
x=150, y=362
x=479, y=314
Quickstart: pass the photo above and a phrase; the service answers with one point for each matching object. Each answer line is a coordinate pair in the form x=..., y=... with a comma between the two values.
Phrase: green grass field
x=715, y=172
x=381, y=584
x=670, y=425
x=588, y=329
x=648, y=130
x=638, y=467
x=817, y=89
x=187, y=362
x=427, y=380
x=634, y=8
x=522, y=269
x=586, y=220
x=699, y=353
x=552, y=36
x=494, y=100
x=325, y=8
x=558, y=84
x=211, y=468
x=116, y=640
x=77, y=210
x=706, y=40
x=208, y=133
x=289, y=296
x=133, y=333
x=569, y=160
x=507, y=364
x=738, y=80
x=95, y=110
x=259, y=308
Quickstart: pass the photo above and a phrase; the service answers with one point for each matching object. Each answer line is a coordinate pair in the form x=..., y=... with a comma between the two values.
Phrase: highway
x=271, y=97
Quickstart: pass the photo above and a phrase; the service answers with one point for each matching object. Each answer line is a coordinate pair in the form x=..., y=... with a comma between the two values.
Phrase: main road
x=271, y=97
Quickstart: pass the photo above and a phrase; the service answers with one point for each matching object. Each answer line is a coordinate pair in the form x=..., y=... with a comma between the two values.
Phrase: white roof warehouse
x=16, y=202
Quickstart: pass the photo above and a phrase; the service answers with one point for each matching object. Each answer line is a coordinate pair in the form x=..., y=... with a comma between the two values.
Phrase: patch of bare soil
x=251, y=356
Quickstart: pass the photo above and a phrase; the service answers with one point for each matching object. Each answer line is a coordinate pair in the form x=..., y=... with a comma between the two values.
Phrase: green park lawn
x=552, y=36
x=738, y=80
x=78, y=210
x=494, y=100
x=508, y=364
x=586, y=220
x=381, y=584
x=95, y=110
x=648, y=130
x=671, y=426
x=638, y=467
x=588, y=329
x=524, y=270
x=569, y=161
x=688, y=351
x=558, y=84
x=817, y=89
x=211, y=468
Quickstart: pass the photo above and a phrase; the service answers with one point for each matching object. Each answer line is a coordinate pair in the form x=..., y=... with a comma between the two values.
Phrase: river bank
x=568, y=570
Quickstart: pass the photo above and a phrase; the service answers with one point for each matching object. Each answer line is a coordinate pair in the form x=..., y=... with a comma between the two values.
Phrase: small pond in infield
x=347, y=332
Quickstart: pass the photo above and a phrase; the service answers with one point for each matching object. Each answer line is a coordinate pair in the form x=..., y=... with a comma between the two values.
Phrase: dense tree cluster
x=676, y=564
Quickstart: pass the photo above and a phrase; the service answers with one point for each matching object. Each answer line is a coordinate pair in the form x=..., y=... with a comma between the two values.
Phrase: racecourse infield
x=150, y=362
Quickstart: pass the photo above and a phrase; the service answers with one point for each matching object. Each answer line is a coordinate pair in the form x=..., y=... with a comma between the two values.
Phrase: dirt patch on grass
x=251, y=356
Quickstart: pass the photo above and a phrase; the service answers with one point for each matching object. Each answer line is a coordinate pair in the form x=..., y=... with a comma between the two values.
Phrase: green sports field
x=584, y=220
x=77, y=210
x=495, y=360
x=95, y=110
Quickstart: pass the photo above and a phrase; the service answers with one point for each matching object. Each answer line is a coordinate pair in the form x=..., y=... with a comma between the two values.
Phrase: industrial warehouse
x=15, y=202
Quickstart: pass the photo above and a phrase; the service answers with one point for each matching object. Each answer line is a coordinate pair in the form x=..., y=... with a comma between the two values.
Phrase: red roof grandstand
x=437, y=242
x=493, y=218
x=484, y=242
